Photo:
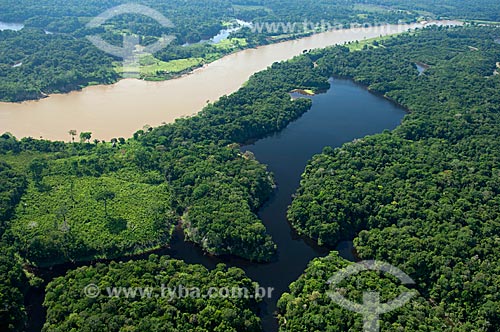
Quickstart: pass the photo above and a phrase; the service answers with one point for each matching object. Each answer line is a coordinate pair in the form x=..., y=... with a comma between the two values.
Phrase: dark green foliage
x=226, y=225
x=69, y=309
x=467, y=9
x=50, y=64
x=307, y=307
x=8, y=144
x=193, y=20
x=13, y=285
x=78, y=204
x=219, y=193
x=337, y=12
x=85, y=137
x=12, y=186
x=430, y=187
x=424, y=197
x=35, y=63
x=220, y=189
x=260, y=108
x=13, y=282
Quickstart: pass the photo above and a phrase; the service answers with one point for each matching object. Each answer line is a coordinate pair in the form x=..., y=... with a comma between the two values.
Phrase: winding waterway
x=120, y=109
x=346, y=112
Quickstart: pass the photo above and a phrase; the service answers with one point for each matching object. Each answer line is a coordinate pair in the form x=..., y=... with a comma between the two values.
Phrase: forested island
x=423, y=197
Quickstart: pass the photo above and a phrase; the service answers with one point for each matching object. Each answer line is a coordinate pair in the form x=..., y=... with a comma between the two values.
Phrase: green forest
x=79, y=201
x=425, y=196
x=69, y=311
x=307, y=306
x=82, y=193
x=422, y=197
x=53, y=55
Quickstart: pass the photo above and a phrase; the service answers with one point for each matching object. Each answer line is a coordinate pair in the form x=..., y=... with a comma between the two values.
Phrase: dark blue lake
x=346, y=112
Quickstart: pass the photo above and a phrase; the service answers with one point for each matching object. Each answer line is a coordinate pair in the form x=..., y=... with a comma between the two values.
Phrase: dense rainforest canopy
x=308, y=306
x=133, y=192
x=160, y=310
x=52, y=54
x=424, y=197
x=13, y=281
x=65, y=202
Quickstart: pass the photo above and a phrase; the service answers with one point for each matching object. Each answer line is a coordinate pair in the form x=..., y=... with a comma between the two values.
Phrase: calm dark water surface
x=11, y=26
x=346, y=112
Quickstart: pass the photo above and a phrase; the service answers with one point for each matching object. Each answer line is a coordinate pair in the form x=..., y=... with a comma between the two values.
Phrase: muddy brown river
x=120, y=109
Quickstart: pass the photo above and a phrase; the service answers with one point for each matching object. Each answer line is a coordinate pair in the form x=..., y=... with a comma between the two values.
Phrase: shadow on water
x=346, y=112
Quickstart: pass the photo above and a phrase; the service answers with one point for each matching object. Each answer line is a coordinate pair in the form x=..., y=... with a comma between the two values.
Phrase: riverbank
x=120, y=109
x=286, y=153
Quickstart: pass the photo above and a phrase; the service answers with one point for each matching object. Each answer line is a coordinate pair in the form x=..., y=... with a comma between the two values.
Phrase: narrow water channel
x=346, y=112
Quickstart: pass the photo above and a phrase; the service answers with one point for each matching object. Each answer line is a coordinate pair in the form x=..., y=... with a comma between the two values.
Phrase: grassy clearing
x=231, y=44
x=150, y=66
x=372, y=42
x=174, y=66
x=65, y=217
